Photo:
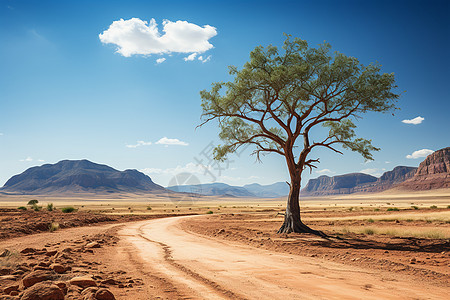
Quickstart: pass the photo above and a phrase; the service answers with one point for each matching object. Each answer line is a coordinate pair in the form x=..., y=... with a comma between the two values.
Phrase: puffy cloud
x=160, y=60
x=138, y=37
x=167, y=141
x=415, y=121
x=419, y=153
x=28, y=159
x=190, y=57
x=138, y=144
x=324, y=171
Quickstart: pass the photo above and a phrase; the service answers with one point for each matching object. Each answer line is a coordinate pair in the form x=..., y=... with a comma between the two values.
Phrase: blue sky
x=66, y=95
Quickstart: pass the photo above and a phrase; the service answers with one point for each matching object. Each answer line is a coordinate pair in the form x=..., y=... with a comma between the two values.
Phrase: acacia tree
x=280, y=96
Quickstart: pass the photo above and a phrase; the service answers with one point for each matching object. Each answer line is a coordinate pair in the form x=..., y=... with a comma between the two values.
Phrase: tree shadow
x=397, y=243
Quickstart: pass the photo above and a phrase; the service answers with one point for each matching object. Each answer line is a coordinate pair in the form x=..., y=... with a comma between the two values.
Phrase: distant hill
x=222, y=189
x=357, y=182
x=78, y=176
x=433, y=173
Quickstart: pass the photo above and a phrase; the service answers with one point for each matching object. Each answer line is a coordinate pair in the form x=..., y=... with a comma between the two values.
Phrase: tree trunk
x=292, y=220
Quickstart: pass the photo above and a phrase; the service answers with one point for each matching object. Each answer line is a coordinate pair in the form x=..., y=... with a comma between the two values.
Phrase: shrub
x=415, y=207
x=149, y=208
x=369, y=231
x=53, y=226
x=376, y=209
x=448, y=206
x=370, y=220
x=50, y=207
x=392, y=209
x=350, y=209
x=433, y=206
x=22, y=208
x=209, y=212
x=33, y=202
x=35, y=207
x=68, y=209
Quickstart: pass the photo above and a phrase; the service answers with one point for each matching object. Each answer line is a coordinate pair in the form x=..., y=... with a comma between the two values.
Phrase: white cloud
x=415, y=121
x=40, y=160
x=324, y=171
x=190, y=57
x=28, y=159
x=373, y=172
x=138, y=37
x=139, y=143
x=203, y=60
x=167, y=141
x=419, y=153
x=160, y=60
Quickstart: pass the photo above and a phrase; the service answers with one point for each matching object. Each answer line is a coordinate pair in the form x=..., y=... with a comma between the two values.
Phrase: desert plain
x=389, y=245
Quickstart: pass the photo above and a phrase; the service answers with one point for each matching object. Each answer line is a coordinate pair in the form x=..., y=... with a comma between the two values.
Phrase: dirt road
x=204, y=268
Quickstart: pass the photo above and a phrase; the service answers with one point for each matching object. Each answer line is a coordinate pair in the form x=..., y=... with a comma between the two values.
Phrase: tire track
x=171, y=261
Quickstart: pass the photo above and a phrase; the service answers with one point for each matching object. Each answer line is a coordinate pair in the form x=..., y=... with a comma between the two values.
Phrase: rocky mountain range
x=432, y=173
x=78, y=176
x=275, y=190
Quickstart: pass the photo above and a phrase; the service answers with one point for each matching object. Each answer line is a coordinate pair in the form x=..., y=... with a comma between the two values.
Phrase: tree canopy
x=280, y=95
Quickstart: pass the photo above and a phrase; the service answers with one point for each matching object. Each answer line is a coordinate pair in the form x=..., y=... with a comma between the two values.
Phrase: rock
x=58, y=268
x=110, y=281
x=92, y=245
x=6, y=297
x=51, y=253
x=412, y=260
x=35, y=277
x=9, y=289
x=62, y=285
x=83, y=281
x=89, y=293
x=7, y=278
x=104, y=294
x=43, y=291
x=28, y=250
x=5, y=271
x=5, y=253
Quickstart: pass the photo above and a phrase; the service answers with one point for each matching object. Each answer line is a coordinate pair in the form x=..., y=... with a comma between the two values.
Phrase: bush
x=350, y=209
x=33, y=202
x=376, y=209
x=415, y=207
x=433, y=206
x=35, y=207
x=68, y=209
x=22, y=208
x=149, y=208
x=370, y=220
x=392, y=209
x=369, y=231
x=50, y=207
x=209, y=212
x=53, y=226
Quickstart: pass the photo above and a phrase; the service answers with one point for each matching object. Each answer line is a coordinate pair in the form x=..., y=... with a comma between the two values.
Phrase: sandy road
x=204, y=268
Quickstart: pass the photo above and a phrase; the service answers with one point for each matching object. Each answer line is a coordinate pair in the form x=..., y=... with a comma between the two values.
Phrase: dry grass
x=418, y=232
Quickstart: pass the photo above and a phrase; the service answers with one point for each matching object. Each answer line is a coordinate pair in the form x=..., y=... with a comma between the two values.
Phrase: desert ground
x=391, y=245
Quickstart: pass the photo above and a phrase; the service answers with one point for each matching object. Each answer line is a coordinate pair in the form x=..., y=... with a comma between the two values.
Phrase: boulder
x=104, y=294
x=43, y=291
x=83, y=281
x=58, y=268
x=35, y=277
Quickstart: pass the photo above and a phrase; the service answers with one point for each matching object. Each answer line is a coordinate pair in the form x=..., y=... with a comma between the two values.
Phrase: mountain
x=222, y=189
x=212, y=189
x=274, y=190
x=79, y=176
x=342, y=184
x=433, y=173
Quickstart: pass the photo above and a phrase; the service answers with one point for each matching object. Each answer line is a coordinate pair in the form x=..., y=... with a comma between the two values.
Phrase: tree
x=279, y=97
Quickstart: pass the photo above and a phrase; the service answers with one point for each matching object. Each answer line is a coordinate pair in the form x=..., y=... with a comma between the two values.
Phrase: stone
x=28, y=250
x=92, y=245
x=5, y=271
x=9, y=289
x=43, y=291
x=35, y=277
x=104, y=294
x=58, y=268
x=83, y=281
